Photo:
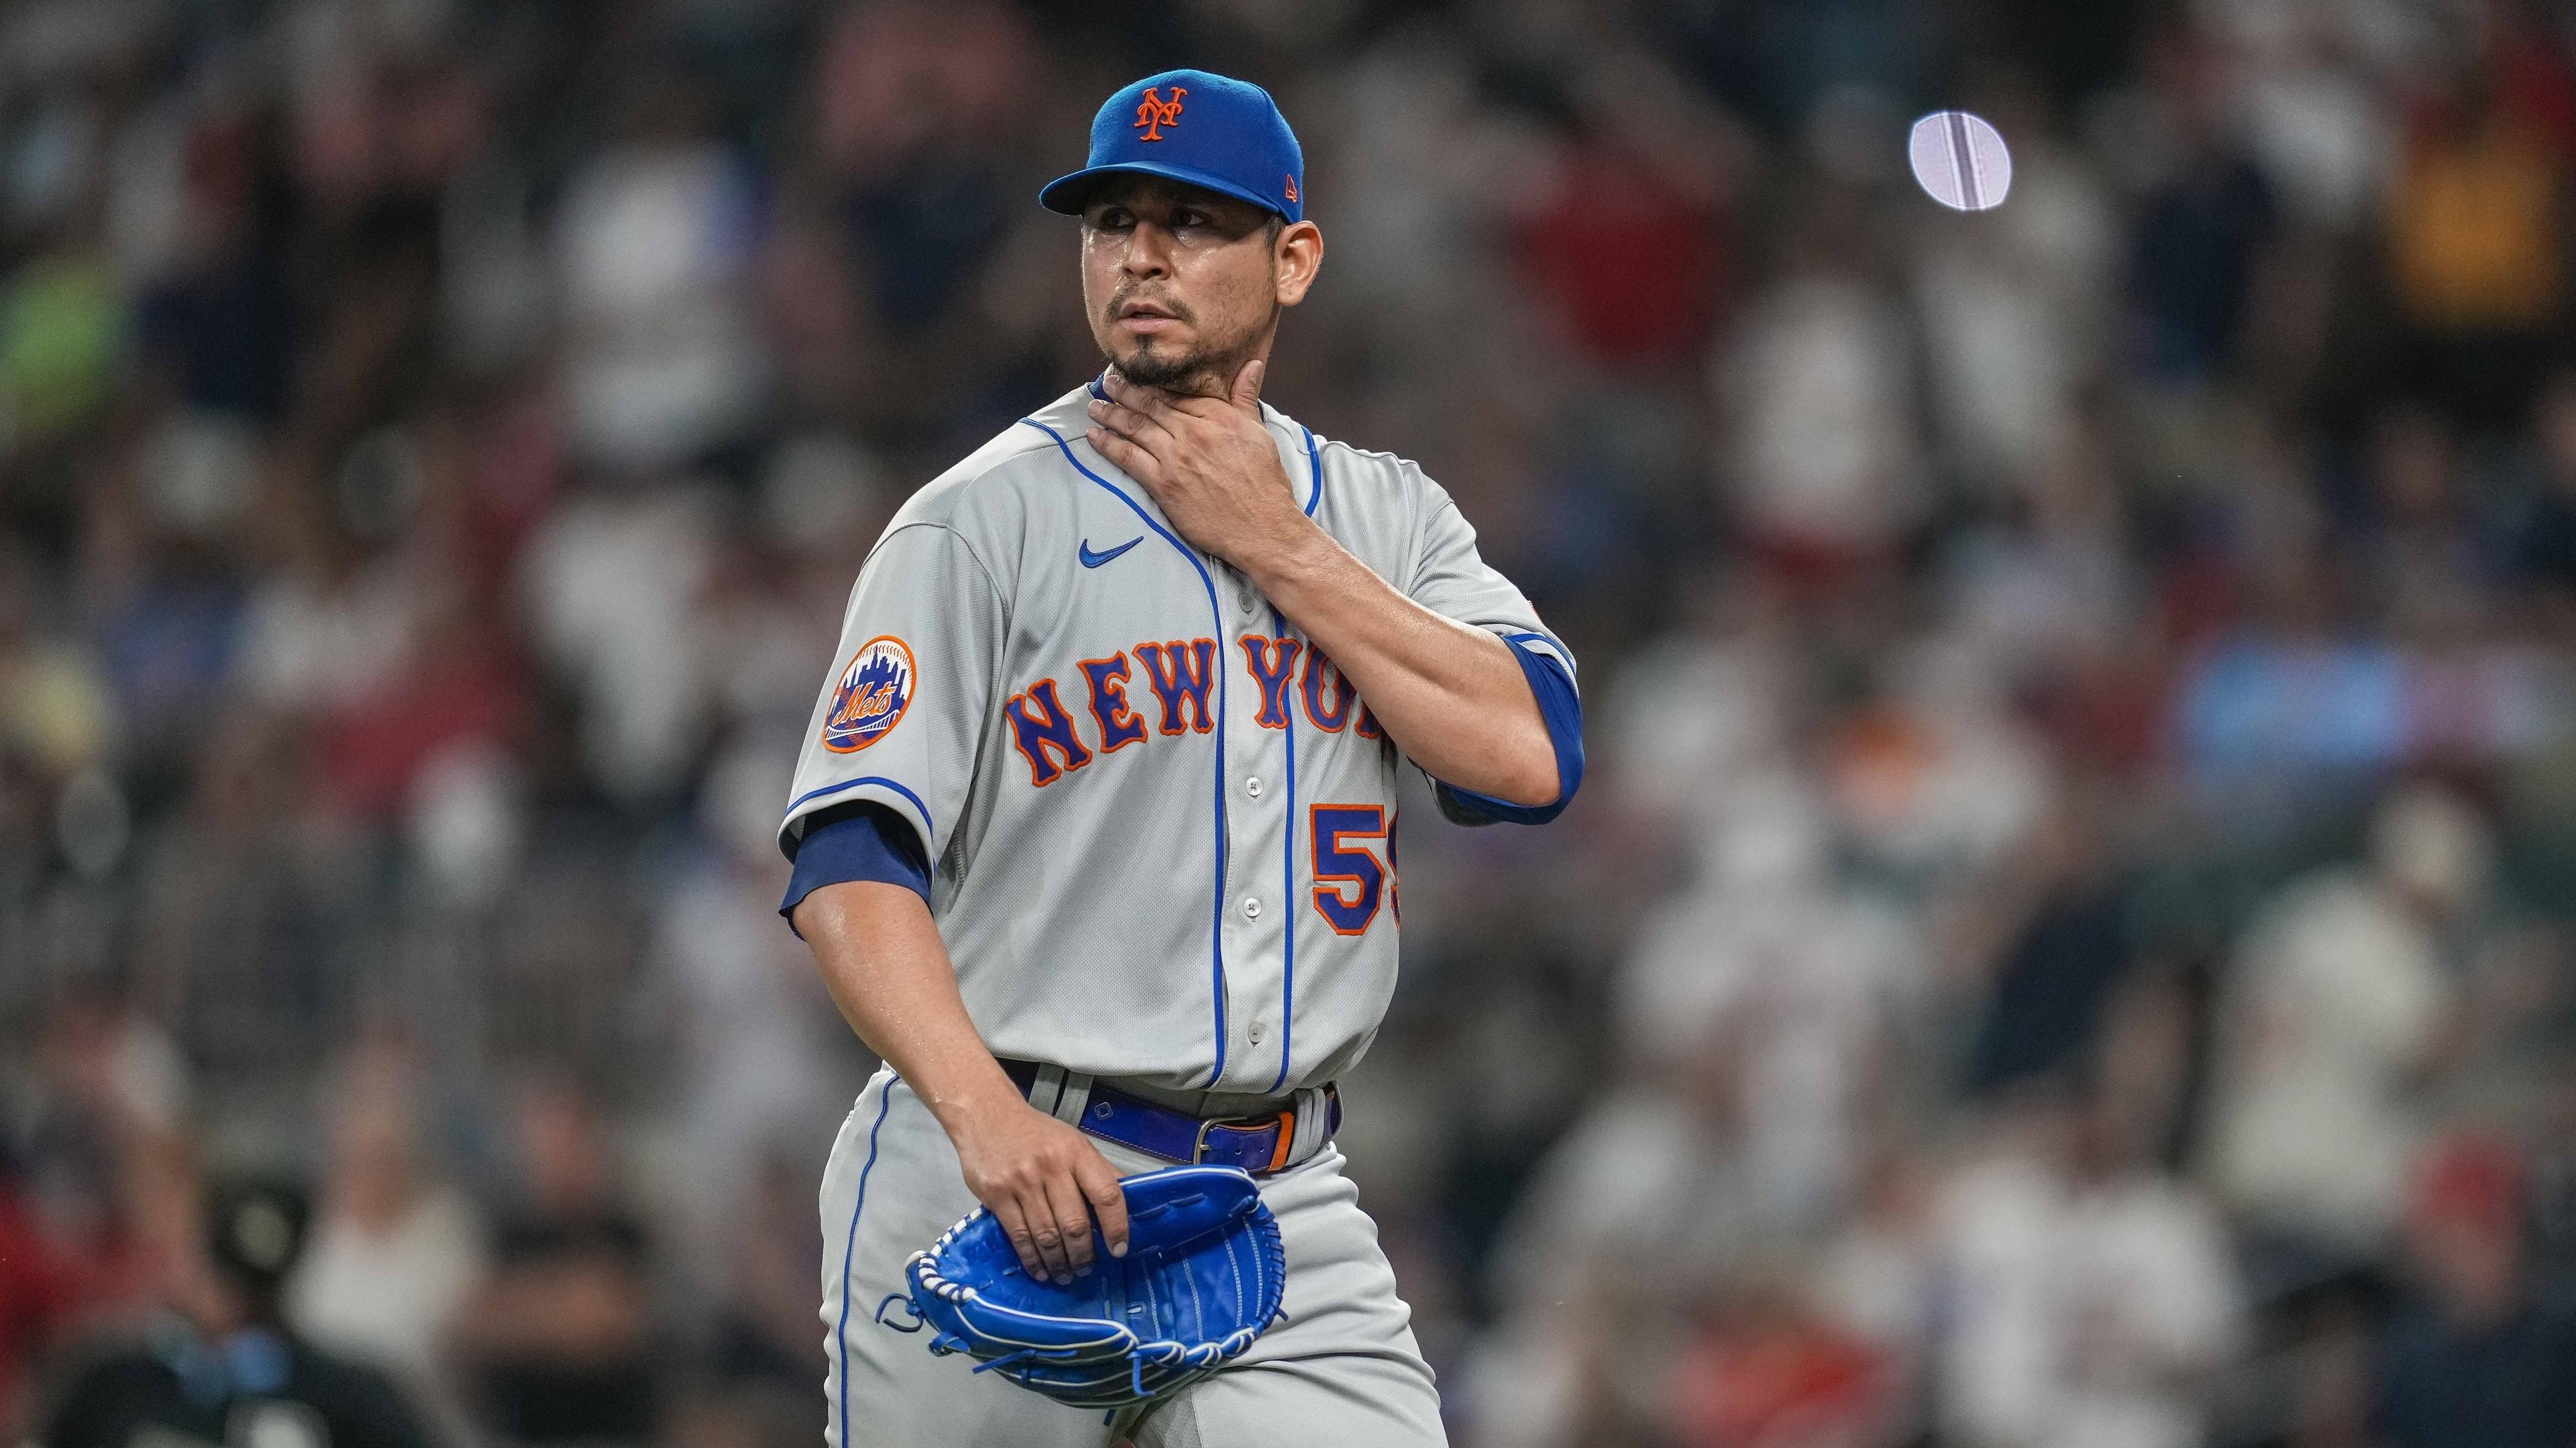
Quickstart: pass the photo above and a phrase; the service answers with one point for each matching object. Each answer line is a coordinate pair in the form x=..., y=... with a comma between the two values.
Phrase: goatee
x=1191, y=373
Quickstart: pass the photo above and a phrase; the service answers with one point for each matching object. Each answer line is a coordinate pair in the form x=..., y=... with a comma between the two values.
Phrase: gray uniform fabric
x=1162, y=834
x=1148, y=861
x=1342, y=1369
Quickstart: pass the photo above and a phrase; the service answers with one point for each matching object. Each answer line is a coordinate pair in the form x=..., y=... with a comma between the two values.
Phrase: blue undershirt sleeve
x=1562, y=709
x=858, y=841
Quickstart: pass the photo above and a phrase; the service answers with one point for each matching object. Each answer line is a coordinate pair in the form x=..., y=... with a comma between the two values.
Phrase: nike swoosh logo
x=1094, y=560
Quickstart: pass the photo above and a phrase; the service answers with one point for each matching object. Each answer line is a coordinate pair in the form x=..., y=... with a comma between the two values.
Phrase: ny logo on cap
x=1153, y=112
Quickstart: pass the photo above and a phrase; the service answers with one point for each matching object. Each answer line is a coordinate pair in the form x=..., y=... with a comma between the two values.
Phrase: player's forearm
x=886, y=967
x=1450, y=694
x=889, y=972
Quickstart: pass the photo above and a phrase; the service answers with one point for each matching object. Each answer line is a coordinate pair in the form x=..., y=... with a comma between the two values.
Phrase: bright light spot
x=1961, y=160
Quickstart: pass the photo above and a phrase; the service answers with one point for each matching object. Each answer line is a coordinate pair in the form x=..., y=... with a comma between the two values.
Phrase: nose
x=1149, y=252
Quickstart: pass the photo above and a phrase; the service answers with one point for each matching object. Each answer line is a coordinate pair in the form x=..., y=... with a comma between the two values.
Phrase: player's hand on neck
x=1213, y=466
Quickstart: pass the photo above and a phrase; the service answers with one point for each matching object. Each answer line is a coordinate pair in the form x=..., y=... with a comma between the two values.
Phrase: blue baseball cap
x=1191, y=125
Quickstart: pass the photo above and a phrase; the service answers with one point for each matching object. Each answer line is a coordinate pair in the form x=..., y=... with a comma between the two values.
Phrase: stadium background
x=2065, y=943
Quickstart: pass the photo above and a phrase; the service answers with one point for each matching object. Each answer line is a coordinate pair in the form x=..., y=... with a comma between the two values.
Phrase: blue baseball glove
x=1201, y=1279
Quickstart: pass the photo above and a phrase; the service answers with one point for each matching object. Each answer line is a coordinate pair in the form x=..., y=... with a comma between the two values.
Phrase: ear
x=1299, y=256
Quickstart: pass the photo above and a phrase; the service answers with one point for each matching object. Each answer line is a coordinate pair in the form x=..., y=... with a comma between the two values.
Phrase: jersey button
x=1256, y=1033
x=1245, y=601
x=1251, y=907
x=1252, y=786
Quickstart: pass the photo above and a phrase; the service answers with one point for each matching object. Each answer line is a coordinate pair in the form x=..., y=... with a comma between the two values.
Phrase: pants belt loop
x=1312, y=1124
x=1048, y=1088
x=1075, y=1095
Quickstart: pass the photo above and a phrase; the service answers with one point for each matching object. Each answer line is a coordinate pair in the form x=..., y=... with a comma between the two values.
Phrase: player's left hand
x=1209, y=461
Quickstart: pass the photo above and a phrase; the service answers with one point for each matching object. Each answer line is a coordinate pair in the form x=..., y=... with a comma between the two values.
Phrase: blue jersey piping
x=1216, y=921
x=1315, y=468
x=841, y=1332
x=813, y=794
x=1288, y=850
x=1288, y=893
x=1551, y=640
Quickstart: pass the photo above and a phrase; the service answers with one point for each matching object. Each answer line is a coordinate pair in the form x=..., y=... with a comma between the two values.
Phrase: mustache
x=1118, y=301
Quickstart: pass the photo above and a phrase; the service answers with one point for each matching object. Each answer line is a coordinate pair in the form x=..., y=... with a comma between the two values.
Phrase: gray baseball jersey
x=1161, y=822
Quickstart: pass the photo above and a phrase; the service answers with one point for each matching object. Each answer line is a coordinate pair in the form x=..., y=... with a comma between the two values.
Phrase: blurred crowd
x=2067, y=944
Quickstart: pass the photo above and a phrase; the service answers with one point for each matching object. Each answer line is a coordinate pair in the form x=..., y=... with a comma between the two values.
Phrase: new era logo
x=1153, y=112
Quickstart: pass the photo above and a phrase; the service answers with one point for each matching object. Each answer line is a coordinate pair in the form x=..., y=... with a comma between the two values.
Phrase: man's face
x=1182, y=285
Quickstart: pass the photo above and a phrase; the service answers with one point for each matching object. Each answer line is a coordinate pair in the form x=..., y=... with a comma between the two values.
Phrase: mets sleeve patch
x=869, y=698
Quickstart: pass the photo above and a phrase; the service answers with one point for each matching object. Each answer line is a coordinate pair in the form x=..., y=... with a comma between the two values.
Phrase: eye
x=1186, y=216
x=1113, y=218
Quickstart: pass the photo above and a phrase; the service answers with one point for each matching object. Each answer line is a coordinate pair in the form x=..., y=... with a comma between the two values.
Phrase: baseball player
x=1094, y=827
